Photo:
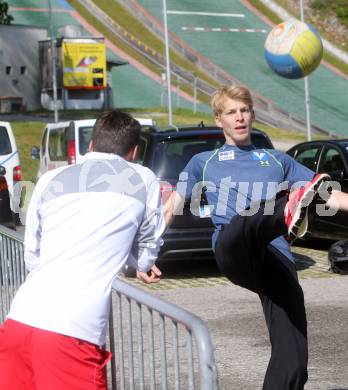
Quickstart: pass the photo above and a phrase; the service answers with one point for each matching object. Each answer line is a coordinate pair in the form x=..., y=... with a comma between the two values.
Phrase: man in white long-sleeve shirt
x=84, y=222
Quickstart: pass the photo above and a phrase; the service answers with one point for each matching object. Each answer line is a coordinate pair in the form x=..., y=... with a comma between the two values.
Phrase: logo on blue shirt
x=262, y=157
x=227, y=155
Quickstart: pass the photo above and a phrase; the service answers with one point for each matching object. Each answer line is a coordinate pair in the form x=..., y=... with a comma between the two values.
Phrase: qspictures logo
x=127, y=182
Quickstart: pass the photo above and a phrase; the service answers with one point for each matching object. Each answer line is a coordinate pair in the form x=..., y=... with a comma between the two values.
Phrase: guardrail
x=12, y=269
x=169, y=343
x=154, y=343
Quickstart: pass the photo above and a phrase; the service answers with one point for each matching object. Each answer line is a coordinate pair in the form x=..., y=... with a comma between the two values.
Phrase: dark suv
x=166, y=152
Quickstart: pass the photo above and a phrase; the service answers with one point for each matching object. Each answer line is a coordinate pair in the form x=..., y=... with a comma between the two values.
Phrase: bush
x=342, y=12
x=319, y=4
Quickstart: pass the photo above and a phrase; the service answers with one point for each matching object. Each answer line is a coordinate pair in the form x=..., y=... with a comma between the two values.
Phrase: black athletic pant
x=246, y=258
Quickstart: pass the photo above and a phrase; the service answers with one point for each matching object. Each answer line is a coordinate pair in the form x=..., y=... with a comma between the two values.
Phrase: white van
x=9, y=157
x=65, y=143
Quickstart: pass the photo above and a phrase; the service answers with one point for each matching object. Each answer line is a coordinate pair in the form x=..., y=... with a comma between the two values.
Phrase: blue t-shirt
x=236, y=177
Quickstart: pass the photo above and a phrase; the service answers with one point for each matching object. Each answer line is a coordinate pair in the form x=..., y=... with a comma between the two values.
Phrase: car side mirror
x=338, y=175
x=2, y=170
x=35, y=153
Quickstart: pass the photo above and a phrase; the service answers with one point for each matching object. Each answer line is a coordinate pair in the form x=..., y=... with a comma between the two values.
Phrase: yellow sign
x=84, y=65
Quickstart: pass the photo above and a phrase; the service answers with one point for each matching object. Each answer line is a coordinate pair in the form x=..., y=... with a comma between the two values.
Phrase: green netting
x=241, y=54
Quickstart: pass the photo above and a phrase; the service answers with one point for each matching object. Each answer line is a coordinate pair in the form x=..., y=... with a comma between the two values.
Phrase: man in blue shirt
x=255, y=216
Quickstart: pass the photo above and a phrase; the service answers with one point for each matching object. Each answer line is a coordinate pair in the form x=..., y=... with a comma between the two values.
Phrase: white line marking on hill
x=173, y=12
x=219, y=29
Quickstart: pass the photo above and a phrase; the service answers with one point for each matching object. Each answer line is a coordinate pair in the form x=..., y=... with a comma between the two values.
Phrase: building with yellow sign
x=81, y=73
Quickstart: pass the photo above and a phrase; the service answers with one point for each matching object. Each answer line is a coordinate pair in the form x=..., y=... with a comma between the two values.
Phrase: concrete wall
x=19, y=63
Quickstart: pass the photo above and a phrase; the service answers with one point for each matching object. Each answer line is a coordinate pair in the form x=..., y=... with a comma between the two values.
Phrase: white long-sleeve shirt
x=83, y=223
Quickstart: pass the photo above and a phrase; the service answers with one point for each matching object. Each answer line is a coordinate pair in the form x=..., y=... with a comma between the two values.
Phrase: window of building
x=8, y=70
x=23, y=70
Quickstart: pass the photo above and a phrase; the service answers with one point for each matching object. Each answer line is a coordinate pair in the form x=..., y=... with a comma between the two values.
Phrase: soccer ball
x=293, y=49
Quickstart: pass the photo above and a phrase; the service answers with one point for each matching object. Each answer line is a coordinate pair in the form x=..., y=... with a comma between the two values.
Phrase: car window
x=171, y=157
x=57, y=144
x=85, y=135
x=142, y=147
x=5, y=143
x=308, y=157
x=331, y=160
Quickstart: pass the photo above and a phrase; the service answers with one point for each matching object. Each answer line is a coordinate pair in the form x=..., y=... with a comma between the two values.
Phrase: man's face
x=236, y=121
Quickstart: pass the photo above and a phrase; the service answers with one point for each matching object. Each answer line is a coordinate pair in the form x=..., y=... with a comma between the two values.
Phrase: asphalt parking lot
x=235, y=320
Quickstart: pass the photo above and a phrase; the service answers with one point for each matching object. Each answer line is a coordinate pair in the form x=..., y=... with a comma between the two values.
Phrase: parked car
x=6, y=214
x=166, y=152
x=9, y=158
x=326, y=156
x=65, y=143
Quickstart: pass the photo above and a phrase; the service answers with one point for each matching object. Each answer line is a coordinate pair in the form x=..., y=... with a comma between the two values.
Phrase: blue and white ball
x=293, y=49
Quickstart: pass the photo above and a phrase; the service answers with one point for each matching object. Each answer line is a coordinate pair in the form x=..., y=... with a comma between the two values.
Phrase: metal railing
x=12, y=269
x=173, y=340
x=154, y=344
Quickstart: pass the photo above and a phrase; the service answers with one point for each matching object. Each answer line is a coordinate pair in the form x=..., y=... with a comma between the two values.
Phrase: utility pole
x=306, y=88
x=194, y=93
x=166, y=41
x=54, y=63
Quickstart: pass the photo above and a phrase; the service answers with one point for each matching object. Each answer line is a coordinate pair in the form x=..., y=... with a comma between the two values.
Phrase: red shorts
x=36, y=359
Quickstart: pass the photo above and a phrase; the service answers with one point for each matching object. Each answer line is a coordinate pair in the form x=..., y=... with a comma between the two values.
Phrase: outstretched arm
x=338, y=200
x=173, y=206
x=148, y=240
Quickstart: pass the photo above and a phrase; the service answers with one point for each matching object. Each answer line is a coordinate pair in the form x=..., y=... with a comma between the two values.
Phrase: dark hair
x=115, y=132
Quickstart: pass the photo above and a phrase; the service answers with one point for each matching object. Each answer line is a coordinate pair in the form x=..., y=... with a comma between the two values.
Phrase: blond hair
x=237, y=92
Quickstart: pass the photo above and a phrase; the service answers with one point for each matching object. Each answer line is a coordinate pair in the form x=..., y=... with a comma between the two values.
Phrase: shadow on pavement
x=303, y=262
x=188, y=268
x=314, y=244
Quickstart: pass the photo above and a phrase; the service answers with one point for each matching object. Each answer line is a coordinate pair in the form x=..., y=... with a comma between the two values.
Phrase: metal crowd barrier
x=12, y=269
x=154, y=344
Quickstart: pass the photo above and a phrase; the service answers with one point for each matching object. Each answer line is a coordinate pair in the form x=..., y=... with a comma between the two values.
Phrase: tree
x=5, y=18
